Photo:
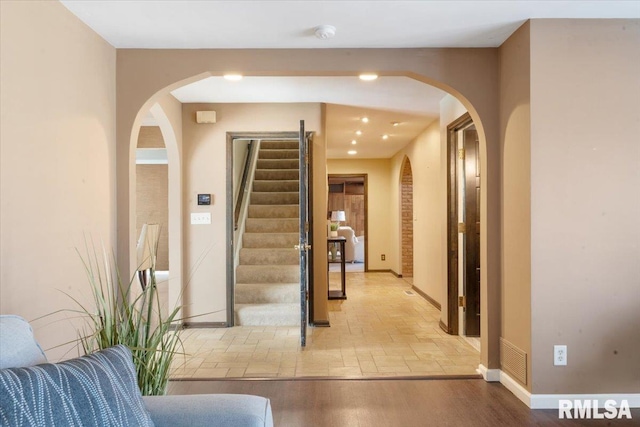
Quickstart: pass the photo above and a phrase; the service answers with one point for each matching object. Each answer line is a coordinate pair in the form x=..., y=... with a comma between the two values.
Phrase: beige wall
x=205, y=153
x=152, y=206
x=428, y=210
x=57, y=173
x=515, y=124
x=379, y=209
x=152, y=194
x=585, y=204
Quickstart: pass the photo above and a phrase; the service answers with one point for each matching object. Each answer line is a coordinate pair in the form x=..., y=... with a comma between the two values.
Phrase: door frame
x=460, y=123
x=366, y=208
x=231, y=273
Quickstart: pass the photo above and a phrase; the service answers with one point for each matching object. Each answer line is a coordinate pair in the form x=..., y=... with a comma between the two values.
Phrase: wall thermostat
x=204, y=199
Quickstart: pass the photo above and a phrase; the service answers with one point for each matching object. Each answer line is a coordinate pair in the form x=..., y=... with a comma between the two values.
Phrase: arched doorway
x=152, y=198
x=163, y=73
x=406, y=222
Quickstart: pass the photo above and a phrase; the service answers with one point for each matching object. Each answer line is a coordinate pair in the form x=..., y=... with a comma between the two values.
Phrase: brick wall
x=407, y=219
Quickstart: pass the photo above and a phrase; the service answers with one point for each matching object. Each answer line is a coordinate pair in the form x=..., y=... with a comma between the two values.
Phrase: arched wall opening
x=442, y=68
x=406, y=218
x=169, y=134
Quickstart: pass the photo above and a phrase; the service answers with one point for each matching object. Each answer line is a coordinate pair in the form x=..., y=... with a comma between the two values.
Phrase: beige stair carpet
x=268, y=275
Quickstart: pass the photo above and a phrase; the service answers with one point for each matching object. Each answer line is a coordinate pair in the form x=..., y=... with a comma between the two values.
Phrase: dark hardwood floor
x=392, y=403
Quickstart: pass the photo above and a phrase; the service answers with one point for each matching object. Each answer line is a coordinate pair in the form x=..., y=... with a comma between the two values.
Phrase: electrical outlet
x=383, y=257
x=560, y=355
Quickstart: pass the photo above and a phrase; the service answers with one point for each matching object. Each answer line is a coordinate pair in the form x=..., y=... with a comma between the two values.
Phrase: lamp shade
x=338, y=216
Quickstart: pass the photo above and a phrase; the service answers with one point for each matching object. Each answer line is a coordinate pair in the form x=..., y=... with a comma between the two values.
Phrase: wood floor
x=390, y=403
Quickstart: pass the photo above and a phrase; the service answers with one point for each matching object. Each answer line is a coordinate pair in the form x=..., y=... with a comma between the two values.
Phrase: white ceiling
x=188, y=24
x=397, y=94
x=184, y=24
x=388, y=99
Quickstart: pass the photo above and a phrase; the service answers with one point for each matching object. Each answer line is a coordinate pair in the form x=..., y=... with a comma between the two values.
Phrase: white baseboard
x=551, y=401
x=489, y=375
x=514, y=387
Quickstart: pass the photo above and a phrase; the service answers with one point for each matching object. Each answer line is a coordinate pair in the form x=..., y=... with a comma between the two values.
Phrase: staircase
x=268, y=275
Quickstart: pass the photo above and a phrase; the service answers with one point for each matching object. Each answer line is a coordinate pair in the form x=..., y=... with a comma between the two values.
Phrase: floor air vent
x=409, y=293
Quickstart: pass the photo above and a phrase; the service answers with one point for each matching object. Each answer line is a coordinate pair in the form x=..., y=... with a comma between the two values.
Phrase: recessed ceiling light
x=394, y=124
x=365, y=119
x=233, y=77
x=385, y=136
x=368, y=77
x=358, y=132
x=352, y=152
x=354, y=142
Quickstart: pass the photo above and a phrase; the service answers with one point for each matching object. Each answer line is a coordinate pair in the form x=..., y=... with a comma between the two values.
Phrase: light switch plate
x=198, y=218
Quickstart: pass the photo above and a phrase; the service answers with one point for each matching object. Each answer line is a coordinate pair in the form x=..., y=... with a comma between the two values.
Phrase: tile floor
x=378, y=331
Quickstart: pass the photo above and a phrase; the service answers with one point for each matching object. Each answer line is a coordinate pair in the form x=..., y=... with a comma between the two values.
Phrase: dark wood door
x=304, y=245
x=472, y=233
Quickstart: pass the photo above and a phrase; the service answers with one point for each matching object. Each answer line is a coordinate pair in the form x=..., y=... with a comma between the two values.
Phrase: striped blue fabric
x=95, y=390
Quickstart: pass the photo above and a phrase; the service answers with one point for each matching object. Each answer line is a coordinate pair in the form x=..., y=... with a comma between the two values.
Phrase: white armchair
x=354, y=246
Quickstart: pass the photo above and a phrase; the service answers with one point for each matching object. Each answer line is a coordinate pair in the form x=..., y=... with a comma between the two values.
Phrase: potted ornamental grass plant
x=129, y=314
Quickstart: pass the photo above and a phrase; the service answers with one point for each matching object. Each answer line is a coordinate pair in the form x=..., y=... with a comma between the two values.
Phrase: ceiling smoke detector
x=324, y=32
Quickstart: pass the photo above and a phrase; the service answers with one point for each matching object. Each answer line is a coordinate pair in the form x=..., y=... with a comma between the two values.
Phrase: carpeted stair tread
x=270, y=240
x=270, y=256
x=278, y=164
x=276, y=185
x=267, y=274
x=280, y=145
x=274, y=211
x=274, y=198
x=285, y=314
x=270, y=225
x=263, y=293
x=277, y=174
x=278, y=154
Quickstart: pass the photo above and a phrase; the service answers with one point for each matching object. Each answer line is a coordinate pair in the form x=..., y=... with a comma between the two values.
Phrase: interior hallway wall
x=428, y=209
x=57, y=162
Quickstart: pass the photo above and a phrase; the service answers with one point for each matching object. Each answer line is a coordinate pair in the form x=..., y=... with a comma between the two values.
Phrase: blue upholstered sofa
x=18, y=349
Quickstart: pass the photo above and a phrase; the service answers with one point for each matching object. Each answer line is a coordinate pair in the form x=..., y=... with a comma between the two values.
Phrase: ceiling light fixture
x=354, y=142
x=358, y=132
x=324, y=32
x=233, y=77
x=352, y=152
x=368, y=77
x=385, y=136
x=365, y=119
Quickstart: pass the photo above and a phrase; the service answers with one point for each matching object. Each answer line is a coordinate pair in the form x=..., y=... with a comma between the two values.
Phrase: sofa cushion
x=98, y=390
x=211, y=410
x=17, y=346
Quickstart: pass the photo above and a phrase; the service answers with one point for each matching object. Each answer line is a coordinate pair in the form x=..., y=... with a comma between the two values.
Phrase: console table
x=339, y=242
